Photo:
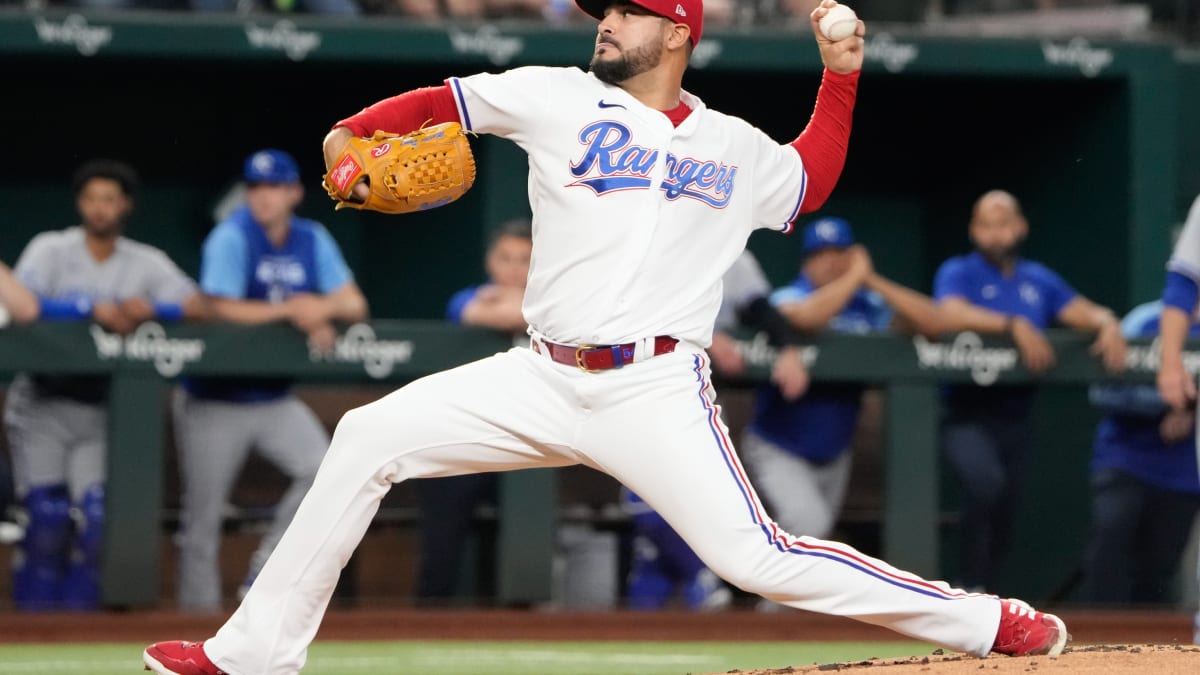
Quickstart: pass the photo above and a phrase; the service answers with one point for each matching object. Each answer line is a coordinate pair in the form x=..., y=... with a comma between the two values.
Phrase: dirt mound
x=1077, y=660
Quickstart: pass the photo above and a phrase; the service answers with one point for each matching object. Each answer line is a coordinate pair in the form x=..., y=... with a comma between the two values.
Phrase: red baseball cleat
x=1025, y=631
x=179, y=658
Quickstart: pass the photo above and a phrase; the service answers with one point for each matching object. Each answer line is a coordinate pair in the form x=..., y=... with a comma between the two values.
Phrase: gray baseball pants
x=214, y=439
x=55, y=440
x=804, y=497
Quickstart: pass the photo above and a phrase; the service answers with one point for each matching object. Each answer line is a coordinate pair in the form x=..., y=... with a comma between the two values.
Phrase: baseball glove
x=430, y=167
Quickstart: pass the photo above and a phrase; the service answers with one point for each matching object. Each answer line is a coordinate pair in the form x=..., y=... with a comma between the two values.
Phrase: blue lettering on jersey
x=279, y=274
x=611, y=162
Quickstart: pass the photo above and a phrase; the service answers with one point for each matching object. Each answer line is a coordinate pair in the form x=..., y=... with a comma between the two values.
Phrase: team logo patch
x=827, y=231
x=381, y=150
x=611, y=162
x=345, y=171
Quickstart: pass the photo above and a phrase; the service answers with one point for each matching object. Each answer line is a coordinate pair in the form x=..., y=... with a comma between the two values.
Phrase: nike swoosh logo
x=602, y=105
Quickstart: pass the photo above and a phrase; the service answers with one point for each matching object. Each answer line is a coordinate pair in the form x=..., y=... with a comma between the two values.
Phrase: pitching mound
x=1080, y=660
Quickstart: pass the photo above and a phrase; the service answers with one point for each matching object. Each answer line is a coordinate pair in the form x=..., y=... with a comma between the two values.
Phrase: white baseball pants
x=651, y=425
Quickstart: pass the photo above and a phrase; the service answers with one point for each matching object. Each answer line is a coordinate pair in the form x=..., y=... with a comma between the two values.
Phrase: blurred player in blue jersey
x=262, y=264
x=987, y=431
x=1175, y=384
x=1145, y=485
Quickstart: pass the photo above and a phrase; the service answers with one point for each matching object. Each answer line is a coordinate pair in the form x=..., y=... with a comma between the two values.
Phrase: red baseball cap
x=687, y=12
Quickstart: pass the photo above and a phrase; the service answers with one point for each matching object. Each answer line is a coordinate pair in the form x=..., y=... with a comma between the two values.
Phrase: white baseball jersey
x=57, y=265
x=687, y=193
x=635, y=222
x=1185, y=259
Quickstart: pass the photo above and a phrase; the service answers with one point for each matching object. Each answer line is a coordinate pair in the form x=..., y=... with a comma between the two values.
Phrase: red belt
x=601, y=357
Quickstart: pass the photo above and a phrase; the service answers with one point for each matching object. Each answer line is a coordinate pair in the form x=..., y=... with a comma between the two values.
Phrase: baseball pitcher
x=641, y=197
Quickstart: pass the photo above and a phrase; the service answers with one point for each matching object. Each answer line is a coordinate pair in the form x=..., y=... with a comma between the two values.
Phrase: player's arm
x=915, y=312
x=746, y=289
x=823, y=143
x=1085, y=315
x=1175, y=385
x=760, y=315
x=959, y=314
x=398, y=115
x=339, y=297
x=20, y=302
x=312, y=311
x=404, y=113
x=173, y=296
x=1180, y=300
x=813, y=313
x=788, y=372
x=196, y=307
x=348, y=304
x=238, y=310
x=1123, y=398
x=497, y=307
x=35, y=270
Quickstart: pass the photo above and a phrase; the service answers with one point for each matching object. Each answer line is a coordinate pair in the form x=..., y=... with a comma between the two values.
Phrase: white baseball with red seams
x=839, y=23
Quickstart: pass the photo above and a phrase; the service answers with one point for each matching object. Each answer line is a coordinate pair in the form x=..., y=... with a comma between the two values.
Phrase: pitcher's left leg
x=660, y=434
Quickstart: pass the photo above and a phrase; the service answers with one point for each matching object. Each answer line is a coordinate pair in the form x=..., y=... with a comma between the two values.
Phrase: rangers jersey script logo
x=611, y=162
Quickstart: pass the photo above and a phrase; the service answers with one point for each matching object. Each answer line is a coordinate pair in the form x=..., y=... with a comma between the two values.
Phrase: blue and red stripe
x=778, y=538
x=791, y=221
x=462, y=103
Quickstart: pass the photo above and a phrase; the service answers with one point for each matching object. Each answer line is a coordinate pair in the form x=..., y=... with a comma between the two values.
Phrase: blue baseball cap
x=826, y=233
x=271, y=166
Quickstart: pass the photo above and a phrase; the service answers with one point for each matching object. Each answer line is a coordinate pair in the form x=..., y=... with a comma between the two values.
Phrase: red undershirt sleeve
x=405, y=112
x=822, y=145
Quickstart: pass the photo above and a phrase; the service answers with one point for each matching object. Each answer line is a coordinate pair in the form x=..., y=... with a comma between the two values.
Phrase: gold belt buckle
x=579, y=358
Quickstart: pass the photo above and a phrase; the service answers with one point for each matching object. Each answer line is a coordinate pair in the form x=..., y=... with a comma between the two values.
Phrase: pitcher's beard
x=632, y=63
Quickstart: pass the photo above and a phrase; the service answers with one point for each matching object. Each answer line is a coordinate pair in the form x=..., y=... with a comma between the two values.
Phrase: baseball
x=839, y=23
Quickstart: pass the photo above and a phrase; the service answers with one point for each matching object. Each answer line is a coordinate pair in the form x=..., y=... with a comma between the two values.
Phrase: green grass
x=485, y=658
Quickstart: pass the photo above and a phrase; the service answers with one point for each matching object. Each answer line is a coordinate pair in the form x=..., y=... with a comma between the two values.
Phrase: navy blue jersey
x=1033, y=291
x=1127, y=437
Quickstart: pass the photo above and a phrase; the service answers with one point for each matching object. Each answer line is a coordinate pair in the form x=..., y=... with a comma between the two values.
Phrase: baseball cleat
x=1025, y=631
x=179, y=658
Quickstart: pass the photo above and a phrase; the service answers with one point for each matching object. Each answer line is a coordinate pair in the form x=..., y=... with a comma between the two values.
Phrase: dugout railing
x=142, y=366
